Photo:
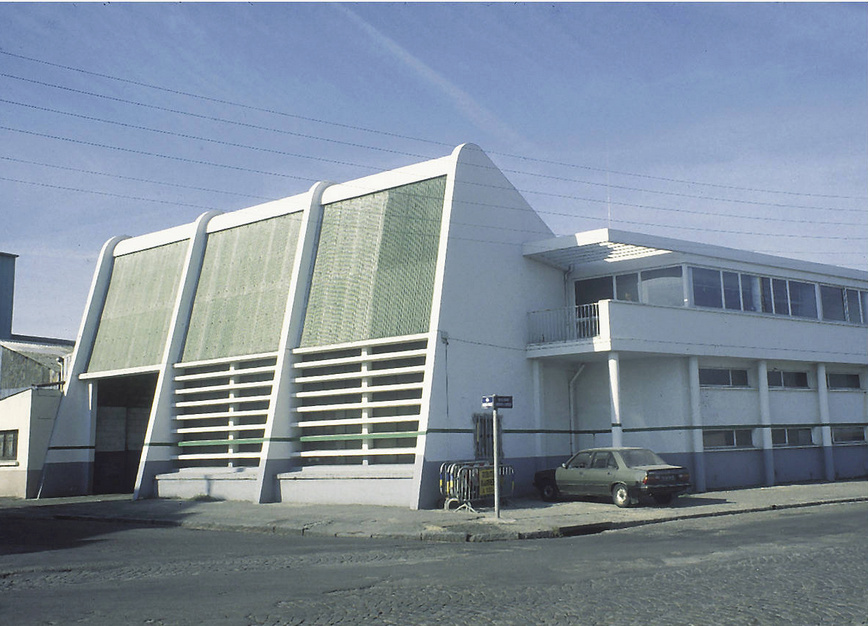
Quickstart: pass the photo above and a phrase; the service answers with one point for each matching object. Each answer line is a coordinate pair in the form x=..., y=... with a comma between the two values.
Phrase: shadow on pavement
x=27, y=527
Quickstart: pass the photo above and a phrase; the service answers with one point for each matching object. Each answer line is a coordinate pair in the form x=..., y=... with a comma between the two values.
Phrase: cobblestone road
x=804, y=566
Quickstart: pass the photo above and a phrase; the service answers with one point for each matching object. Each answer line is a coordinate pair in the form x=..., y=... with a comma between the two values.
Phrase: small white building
x=31, y=374
x=335, y=346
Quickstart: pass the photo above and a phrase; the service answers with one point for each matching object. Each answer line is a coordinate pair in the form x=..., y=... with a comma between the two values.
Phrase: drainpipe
x=572, y=387
x=615, y=398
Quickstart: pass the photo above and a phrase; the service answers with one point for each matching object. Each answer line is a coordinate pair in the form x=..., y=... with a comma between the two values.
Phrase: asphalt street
x=795, y=566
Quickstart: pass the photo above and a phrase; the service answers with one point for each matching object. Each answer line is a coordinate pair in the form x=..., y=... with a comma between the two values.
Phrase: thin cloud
x=463, y=101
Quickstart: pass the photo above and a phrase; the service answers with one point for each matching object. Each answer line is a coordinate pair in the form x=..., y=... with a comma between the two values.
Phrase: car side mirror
x=564, y=465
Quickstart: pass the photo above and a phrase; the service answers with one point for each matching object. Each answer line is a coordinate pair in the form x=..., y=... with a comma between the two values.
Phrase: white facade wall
x=30, y=413
x=496, y=263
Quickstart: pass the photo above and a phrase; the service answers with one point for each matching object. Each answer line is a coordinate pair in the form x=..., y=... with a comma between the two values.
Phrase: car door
x=601, y=473
x=571, y=478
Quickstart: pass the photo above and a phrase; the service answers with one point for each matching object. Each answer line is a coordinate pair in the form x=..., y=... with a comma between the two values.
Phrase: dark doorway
x=123, y=407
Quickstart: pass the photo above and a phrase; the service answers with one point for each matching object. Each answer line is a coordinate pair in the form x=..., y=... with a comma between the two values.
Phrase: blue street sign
x=496, y=402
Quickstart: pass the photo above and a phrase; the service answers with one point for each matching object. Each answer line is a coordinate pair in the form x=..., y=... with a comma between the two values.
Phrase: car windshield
x=638, y=458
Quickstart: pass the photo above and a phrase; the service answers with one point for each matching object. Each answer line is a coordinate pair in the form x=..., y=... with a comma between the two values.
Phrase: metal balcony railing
x=562, y=325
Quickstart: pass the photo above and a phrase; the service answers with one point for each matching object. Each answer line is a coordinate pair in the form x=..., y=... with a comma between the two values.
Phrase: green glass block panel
x=374, y=271
x=134, y=323
x=243, y=288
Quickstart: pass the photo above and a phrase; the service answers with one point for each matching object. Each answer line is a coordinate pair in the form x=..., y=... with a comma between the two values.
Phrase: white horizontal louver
x=359, y=405
x=221, y=408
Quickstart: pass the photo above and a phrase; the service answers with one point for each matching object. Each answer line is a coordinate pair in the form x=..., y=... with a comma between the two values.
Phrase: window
x=789, y=380
x=832, y=299
x=750, y=293
x=842, y=381
x=731, y=291
x=706, y=288
x=727, y=438
x=854, y=315
x=712, y=377
x=593, y=290
x=663, y=287
x=803, y=299
x=8, y=445
x=604, y=460
x=792, y=437
x=583, y=459
x=848, y=434
x=766, y=295
x=627, y=287
x=779, y=295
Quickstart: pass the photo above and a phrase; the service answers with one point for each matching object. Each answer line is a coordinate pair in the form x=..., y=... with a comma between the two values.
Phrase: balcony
x=563, y=325
x=611, y=325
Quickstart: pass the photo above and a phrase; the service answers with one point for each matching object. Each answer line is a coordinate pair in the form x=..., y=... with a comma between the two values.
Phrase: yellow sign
x=486, y=481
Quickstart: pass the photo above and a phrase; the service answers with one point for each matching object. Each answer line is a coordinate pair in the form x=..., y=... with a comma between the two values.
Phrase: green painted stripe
x=219, y=442
x=72, y=448
x=356, y=437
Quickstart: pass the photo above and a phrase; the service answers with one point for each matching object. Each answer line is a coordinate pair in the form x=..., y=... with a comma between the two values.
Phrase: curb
x=446, y=536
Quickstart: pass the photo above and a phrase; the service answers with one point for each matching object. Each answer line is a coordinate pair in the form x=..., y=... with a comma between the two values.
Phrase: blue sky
x=744, y=125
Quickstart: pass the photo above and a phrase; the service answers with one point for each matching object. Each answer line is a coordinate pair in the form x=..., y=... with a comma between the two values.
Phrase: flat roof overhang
x=607, y=245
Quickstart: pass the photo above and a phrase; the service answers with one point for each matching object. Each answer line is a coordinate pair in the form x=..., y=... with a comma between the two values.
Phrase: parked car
x=624, y=474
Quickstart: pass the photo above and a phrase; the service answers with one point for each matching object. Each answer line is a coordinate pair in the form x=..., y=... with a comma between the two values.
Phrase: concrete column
x=278, y=447
x=825, y=428
x=615, y=398
x=698, y=448
x=69, y=458
x=766, y=421
x=158, y=449
x=536, y=364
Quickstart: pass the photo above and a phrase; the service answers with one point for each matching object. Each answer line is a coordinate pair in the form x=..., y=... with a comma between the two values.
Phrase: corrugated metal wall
x=375, y=264
x=241, y=297
x=135, y=319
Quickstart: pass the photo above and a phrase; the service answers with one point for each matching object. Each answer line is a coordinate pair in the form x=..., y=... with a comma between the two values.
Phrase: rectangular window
x=796, y=380
x=789, y=380
x=803, y=299
x=854, y=315
x=8, y=445
x=766, y=295
x=779, y=293
x=848, y=434
x=842, y=381
x=792, y=437
x=727, y=438
x=713, y=377
x=627, y=287
x=731, y=291
x=832, y=299
x=593, y=290
x=863, y=298
x=750, y=293
x=706, y=287
x=663, y=287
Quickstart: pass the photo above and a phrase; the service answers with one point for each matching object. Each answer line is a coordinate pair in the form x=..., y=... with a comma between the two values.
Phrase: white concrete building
x=335, y=346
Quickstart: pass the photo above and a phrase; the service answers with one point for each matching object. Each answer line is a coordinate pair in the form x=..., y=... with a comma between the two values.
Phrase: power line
x=223, y=120
x=418, y=139
x=211, y=118
x=161, y=131
x=135, y=179
x=525, y=191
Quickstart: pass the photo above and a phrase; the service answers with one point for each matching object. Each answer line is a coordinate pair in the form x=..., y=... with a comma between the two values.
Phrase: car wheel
x=620, y=495
x=549, y=491
x=662, y=498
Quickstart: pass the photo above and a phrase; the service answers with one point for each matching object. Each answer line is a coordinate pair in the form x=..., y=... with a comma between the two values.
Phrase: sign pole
x=496, y=438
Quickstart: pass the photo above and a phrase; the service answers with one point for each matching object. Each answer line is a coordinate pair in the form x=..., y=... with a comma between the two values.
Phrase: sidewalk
x=520, y=518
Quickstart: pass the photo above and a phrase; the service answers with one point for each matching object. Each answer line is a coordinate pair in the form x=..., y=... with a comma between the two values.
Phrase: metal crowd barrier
x=464, y=482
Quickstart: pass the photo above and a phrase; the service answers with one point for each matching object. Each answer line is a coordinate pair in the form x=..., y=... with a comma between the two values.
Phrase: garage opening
x=122, y=412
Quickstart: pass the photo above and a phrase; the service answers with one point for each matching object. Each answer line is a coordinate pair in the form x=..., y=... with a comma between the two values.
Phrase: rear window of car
x=638, y=458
